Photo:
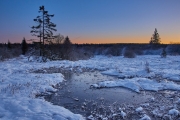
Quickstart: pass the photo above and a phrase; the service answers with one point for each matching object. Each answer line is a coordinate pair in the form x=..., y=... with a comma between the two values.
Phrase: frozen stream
x=76, y=95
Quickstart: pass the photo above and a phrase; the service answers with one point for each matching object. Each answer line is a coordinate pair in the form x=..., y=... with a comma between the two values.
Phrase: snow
x=145, y=117
x=132, y=73
x=139, y=109
x=123, y=114
x=19, y=85
x=111, y=72
x=174, y=112
x=138, y=84
x=90, y=117
x=30, y=109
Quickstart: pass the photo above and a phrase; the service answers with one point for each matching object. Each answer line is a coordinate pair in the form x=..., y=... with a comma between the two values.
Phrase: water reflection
x=67, y=75
x=75, y=92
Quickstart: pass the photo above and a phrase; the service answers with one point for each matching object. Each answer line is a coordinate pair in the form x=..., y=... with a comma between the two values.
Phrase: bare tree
x=58, y=39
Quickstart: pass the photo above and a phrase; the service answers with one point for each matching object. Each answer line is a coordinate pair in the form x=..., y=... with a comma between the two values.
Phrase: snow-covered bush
x=9, y=53
x=173, y=49
x=147, y=69
x=129, y=54
x=163, y=54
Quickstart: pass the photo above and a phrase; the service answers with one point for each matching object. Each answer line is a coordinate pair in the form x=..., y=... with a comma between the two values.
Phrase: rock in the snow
x=90, y=117
x=123, y=114
x=178, y=101
x=174, y=112
x=139, y=109
x=94, y=86
x=76, y=99
x=152, y=99
x=105, y=118
x=157, y=112
x=145, y=104
x=145, y=117
x=167, y=117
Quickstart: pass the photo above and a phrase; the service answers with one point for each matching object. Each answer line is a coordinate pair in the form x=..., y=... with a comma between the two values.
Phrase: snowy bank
x=19, y=87
x=138, y=84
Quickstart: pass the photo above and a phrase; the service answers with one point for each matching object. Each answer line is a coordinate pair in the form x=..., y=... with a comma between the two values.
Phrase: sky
x=94, y=21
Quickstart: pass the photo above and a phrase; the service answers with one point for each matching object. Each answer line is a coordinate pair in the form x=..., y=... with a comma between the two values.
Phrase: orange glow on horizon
x=164, y=40
x=105, y=40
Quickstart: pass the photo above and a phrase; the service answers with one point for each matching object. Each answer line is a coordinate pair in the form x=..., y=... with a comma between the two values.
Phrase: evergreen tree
x=155, y=39
x=66, y=48
x=44, y=28
x=24, y=46
x=9, y=46
x=67, y=41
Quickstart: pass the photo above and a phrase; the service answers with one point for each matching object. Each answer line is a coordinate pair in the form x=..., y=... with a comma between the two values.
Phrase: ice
x=111, y=72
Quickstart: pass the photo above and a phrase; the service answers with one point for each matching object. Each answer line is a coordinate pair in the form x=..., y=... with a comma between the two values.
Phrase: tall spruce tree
x=24, y=46
x=155, y=39
x=44, y=28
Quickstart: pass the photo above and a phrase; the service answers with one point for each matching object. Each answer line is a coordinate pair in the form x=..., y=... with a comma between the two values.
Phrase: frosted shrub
x=147, y=69
x=9, y=53
x=163, y=54
x=129, y=54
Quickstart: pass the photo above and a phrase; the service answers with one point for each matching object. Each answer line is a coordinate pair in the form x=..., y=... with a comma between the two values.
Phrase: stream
x=76, y=95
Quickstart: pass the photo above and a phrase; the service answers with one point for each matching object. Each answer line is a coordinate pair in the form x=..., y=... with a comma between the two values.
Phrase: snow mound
x=139, y=109
x=145, y=117
x=173, y=112
x=19, y=87
x=123, y=114
x=23, y=108
x=138, y=84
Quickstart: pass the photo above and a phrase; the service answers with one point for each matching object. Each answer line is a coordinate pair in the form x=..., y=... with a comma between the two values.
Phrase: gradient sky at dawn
x=94, y=21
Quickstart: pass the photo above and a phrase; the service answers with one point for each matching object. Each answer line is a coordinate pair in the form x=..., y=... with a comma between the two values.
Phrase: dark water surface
x=76, y=95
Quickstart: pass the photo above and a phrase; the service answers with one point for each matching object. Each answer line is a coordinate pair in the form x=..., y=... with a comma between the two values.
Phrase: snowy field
x=19, y=85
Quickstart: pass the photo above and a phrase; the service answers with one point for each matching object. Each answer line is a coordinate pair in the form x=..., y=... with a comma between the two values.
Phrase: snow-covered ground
x=19, y=85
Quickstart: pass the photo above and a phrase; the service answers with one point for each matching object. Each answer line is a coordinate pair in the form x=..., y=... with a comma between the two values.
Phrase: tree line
x=54, y=47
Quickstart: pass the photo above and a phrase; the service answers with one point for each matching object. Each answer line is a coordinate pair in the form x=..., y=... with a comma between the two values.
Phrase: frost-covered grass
x=19, y=85
x=162, y=73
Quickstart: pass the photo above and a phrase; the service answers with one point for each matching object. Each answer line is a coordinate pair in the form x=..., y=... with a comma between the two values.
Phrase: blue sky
x=94, y=21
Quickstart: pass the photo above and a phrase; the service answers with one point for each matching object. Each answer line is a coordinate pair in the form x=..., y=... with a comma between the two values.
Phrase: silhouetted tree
x=44, y=28
x=9, y=46
x=67, y=41
x=163, y=54
x=58, y=39
x=155, y=39
x=24, y=46
x=66, y=48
